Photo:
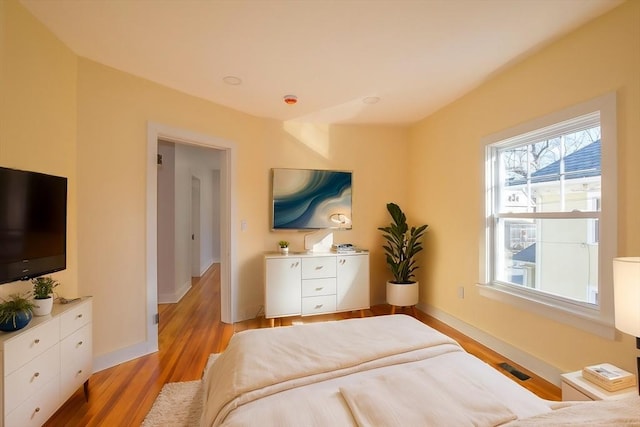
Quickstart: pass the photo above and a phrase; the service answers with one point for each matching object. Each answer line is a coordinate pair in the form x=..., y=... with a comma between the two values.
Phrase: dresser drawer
x=318, y=267
x=36, y=410
x=318, y=305
x=317, y=287
x=30, y=344
x=76, y=352
x=30, y=378
x=75, y=318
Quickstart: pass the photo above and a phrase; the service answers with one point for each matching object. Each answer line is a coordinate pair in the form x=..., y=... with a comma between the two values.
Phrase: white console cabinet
x=308, y=284
x=44, y=363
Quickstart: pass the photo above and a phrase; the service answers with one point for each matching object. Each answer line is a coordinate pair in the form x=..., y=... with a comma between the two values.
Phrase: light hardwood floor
x=188, y=332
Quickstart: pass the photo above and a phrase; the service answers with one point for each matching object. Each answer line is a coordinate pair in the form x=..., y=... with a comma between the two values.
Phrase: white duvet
x=377, y=371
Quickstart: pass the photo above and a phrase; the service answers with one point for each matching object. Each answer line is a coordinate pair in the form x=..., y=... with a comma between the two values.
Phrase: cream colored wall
x=446, y=173
x=38, y=116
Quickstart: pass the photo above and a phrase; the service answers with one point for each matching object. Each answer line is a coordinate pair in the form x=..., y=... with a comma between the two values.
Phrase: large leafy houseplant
x=402, y=245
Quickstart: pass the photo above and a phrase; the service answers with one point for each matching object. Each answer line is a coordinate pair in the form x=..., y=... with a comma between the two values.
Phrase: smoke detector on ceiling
x=290, y=99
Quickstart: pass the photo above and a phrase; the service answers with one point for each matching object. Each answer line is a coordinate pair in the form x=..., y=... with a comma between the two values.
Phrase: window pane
x=555, y=256
x=556, y=175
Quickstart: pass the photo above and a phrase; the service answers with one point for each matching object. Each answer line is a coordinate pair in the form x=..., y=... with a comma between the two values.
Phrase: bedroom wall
x=38, y=116
x=446, y=161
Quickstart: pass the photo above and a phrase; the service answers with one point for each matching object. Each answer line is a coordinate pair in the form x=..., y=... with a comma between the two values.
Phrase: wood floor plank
x=191, y=330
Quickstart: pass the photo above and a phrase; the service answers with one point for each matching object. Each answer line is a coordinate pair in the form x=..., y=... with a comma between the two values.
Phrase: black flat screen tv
x=311, y=199
x=33, y=224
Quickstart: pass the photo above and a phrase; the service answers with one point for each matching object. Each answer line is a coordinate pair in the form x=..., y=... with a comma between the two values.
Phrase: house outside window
x=545, y=221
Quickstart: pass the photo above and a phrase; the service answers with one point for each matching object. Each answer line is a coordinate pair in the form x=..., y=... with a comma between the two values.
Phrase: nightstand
x=574, y=387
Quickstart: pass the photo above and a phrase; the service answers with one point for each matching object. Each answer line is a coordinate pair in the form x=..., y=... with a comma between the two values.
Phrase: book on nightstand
x=609, y=377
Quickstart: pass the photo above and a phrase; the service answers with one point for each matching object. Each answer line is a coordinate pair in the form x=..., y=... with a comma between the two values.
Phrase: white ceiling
x=415, y=55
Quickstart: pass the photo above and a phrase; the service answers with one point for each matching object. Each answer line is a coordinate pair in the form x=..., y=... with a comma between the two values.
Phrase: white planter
x=42, y=306
x=402, y=294
x=284, y=250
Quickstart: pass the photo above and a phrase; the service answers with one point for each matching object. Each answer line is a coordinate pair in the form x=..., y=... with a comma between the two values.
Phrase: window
x=549, y=238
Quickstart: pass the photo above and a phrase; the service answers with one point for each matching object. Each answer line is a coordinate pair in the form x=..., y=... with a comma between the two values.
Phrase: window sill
x=575, y=315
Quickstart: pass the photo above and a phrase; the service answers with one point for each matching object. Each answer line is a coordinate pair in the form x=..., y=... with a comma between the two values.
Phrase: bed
x=376, y=371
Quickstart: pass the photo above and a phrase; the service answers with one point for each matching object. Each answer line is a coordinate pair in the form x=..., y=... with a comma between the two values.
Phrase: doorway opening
x=226, y=152
x=189, y=206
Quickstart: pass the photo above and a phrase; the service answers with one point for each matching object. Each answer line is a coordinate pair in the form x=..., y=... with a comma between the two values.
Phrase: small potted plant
x=403, y=244
x=42, y=295
x=16, y=312
x=284, y=246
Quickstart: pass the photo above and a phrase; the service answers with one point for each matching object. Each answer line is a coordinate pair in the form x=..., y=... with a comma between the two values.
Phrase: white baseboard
x=249, y=313
x=123, y=355
x=208, y=266
x=535, y=365
x=174, y=297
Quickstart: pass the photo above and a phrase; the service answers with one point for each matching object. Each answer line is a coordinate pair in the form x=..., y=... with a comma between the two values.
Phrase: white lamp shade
x=626, y=297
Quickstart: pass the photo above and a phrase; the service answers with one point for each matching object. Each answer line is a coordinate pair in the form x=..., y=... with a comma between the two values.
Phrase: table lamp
x=626, y=298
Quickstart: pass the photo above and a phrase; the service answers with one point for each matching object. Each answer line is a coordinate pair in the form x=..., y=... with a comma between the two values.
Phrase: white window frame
x=597, y=319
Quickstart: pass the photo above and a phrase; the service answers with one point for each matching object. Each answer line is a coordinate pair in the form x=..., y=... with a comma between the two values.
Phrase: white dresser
x=312, y=283
x=44, y=363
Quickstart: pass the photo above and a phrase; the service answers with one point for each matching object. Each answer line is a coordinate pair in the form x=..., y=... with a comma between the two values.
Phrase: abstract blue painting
x=311, y=199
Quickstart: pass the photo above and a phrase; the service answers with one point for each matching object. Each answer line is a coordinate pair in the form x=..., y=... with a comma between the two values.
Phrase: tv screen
x=33, y=224
x=311, y=199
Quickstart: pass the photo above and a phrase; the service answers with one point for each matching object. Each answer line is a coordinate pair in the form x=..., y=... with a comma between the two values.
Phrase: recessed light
x=371, y=100
x=232, y=80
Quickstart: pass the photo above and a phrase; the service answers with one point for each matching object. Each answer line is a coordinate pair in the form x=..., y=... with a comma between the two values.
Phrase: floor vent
x=513, y=371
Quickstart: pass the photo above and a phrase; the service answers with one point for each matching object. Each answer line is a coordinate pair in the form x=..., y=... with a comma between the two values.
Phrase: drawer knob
x=36, y=375
x=319, y=289
x=80, y=343
x=319, y=305
x=79, y=316
x=319, y=267
x=37, y=341
x=79, y=372
x=37, y=410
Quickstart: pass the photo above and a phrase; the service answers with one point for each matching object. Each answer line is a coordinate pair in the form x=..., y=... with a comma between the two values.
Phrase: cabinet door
x=77, y=357
x=571, y=394
x=26, y=381
x=35, y=411
x=353, y=282
x=283, y=287
x=75, y=318
x=28, y=344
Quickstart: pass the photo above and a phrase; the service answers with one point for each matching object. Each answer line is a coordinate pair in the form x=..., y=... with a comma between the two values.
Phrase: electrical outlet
x=461, y=292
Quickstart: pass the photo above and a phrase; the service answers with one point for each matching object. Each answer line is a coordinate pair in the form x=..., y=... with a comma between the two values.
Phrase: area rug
x=178, y=404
